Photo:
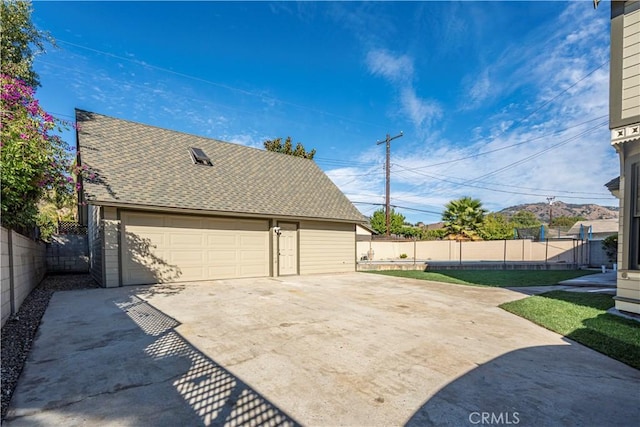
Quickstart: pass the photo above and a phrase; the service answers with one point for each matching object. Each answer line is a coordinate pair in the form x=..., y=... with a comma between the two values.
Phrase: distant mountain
x=541, y=210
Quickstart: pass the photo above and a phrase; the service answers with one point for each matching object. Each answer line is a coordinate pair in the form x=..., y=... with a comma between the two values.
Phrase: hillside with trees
x=560, y=209
x=466, y=219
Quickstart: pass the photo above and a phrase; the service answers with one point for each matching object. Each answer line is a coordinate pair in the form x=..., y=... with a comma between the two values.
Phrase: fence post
x=414, y=250
x=546, y=252
x=504, y=260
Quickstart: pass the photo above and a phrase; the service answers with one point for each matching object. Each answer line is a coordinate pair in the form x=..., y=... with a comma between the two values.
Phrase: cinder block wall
x=68, y=253
x=23, y=268
x=5, y=276
x=497, y=250
x=597, y=255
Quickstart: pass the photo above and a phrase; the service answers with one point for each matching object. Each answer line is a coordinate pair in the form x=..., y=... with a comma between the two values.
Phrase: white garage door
x=179, y=248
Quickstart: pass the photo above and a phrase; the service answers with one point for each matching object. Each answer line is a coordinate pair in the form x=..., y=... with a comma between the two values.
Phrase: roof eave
x=219, y=213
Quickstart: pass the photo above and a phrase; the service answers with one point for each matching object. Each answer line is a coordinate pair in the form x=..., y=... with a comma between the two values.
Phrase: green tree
x=437, y=234
x=21, y=41
x=525, y=219
x=410, y=231
x=610, y=246
x=35, y=162
x=379, y=224
x=277, y=146
x=565, y=221
x=463, y=218
x=496, y=227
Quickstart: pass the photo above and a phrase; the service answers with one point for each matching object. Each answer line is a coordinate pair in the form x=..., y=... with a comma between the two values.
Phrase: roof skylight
x=199, y=157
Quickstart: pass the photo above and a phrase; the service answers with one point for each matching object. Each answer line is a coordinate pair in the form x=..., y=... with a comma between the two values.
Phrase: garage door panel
x=256, y=257
x=222, y=256
x=245, y=240
x=160, y=248
x=186, y=239
x=221, y=239
x=187, y=223
x=222, y=271
x=192, y=273
x=145, y=220
x=254, y=225
x=252, y=271
x=186, y=257
x=141, y=236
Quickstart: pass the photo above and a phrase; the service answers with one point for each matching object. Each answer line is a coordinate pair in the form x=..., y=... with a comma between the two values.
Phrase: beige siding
x=94, y=236
x=628, y=307
x=326, y=247
x=622, y=262
x=629, y=290
x=176, y=248
x=631, y=65
x=111, y=247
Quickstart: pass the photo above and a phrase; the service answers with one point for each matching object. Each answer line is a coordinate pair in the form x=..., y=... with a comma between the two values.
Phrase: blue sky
x=503, y=101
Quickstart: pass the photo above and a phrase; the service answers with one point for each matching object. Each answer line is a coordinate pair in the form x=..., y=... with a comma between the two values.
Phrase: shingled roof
x=135, y=164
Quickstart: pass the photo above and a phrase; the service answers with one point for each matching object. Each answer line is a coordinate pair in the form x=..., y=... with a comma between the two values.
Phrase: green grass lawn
x=495, y=278
x=582, y=317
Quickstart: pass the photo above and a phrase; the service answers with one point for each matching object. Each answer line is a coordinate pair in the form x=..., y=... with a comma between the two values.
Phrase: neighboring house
x=624, y=122
x=434, y=226
x=596, y=229
x=164, y=206
x=364, y=232
x=614, y=187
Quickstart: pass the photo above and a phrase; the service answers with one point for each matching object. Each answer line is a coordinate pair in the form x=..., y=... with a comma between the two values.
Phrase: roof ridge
x=243, y=179
x=163, y=129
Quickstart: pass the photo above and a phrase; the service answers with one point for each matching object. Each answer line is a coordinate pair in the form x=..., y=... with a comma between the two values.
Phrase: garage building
x=164, y=206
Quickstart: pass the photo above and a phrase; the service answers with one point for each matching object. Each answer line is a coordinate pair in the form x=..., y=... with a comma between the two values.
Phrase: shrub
x=610, y=246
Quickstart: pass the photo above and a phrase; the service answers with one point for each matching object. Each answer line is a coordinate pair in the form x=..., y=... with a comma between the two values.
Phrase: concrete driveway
x=350, y=349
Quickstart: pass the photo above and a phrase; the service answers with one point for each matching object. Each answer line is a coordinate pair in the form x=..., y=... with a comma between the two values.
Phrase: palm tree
x=463, y=218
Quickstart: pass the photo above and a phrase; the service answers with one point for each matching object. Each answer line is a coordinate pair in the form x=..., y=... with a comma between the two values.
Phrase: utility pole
x=388, y=185
x=550, y=200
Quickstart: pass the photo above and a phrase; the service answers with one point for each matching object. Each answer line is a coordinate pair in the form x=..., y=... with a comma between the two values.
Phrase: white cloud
x=246, y=139
x=399, y=71
x=422, y=112
x=394, y=68
x=481, y=88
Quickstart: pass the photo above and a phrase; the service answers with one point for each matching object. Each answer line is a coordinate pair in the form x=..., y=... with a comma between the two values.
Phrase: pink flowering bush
x=36, y=162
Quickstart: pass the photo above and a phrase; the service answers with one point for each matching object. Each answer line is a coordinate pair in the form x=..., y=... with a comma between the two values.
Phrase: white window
x=634, y=216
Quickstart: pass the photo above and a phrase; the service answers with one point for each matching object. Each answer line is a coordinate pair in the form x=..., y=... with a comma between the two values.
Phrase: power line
x=220, y=85
x=482, y=154
x=341, y=162
x=396, y=206
x=553, y=99
x=146, y=88
x=548, y=190
x=467, y=184
x=505, y=147
x=538, y=154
